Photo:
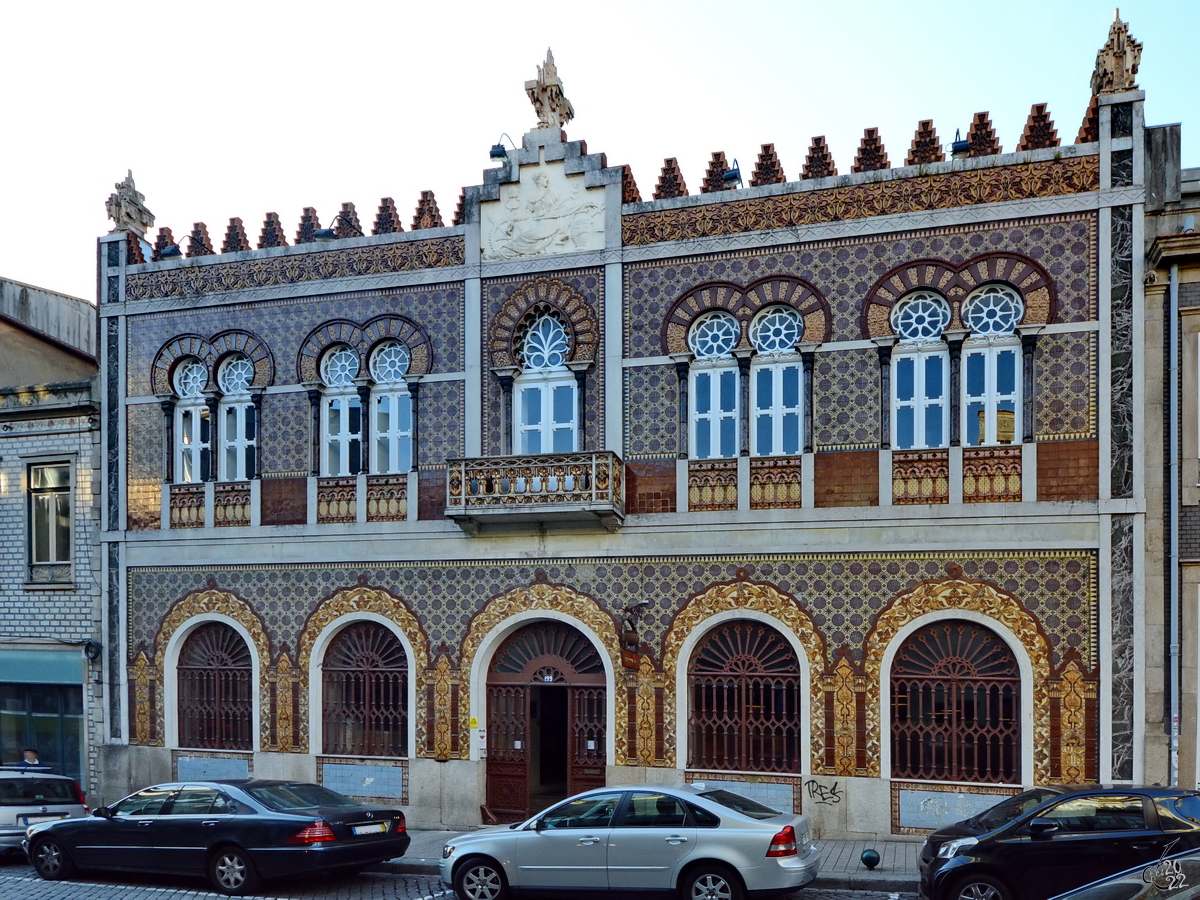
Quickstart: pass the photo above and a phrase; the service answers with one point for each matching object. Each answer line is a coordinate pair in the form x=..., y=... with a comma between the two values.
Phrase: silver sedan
x=694, y=841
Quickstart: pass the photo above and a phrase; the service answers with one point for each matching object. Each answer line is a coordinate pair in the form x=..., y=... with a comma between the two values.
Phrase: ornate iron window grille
x=746, y=701
x=365, y=693
x=956, y=706
x=216, y=706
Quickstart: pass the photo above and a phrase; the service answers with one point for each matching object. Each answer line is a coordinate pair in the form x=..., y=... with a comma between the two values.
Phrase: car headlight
x=953, y=848
x=447, y=851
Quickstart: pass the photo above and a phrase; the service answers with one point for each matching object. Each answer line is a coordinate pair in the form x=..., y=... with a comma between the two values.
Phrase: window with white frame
x=391, y=410
x=991, y=367
x=920, y=373
x=341, y=413
x=714, y=386
x=191, y=422
x=50, y=522
x=776, y=380
x=545, y=394
x=239, y=419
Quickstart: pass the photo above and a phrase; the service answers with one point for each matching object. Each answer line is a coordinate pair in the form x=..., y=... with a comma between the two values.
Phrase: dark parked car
x=235, y=832
x=1050, y=840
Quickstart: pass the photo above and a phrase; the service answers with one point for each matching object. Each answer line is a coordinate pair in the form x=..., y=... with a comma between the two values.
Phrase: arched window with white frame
x=238, y=418
x=341, y=413
x=391, y=410
x=192, y=451
x=776, y=383
x=713, y=387
x=991, y=367
x=545, y=393
x=920, y=373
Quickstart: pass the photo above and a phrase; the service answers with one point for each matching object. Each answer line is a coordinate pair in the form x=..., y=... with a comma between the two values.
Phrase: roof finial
x=546, y=93
x=127, y=208
x=1117, y=61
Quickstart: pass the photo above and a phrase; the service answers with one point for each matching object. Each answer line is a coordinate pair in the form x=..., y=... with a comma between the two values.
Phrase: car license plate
x=374, y=828
x=33, y=820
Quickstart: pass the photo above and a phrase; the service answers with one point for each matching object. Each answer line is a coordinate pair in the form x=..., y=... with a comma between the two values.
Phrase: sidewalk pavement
x=841, y=868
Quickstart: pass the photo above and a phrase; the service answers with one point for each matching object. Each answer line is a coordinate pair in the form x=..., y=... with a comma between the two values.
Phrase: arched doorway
x=546, y=719
x=956, y=705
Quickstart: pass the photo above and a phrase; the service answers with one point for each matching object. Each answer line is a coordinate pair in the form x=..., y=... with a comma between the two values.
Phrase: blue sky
x=235, y=109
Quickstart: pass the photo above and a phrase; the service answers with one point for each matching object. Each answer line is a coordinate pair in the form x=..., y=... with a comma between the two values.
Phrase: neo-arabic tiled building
x=833, y=486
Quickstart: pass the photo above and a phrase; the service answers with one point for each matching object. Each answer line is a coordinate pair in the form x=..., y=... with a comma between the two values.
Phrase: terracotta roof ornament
x=546, y=93
x=1117, y=61
x=127, y=208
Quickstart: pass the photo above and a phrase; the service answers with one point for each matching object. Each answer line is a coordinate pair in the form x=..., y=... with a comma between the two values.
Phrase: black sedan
x=1043, y=842
x=235, y=832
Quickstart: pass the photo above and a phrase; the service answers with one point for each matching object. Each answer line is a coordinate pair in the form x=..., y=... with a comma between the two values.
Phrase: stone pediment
x=543, y=213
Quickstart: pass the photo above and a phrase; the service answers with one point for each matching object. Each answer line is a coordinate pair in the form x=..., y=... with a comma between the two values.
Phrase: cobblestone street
x=19, y=882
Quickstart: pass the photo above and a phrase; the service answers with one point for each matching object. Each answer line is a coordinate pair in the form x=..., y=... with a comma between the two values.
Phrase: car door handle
x=589, y=840
x=145, y=822
x=211, y=822
x=676, y=839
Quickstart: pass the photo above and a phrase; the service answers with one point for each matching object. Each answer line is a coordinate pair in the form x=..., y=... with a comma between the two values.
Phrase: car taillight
x=81, y=797
x=399, y=822
x=315, y=833
x=784, y=843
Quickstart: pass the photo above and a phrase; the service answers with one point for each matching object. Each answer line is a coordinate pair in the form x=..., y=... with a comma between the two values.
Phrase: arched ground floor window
x=216, y=699
x=747, y=705
x=956, y=706
x=364, y=693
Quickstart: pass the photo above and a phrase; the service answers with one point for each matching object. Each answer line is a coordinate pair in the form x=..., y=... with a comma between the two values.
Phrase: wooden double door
x=546, y=721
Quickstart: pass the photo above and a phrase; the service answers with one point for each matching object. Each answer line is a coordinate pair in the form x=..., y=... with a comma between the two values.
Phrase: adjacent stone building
x=835, y=484
x=51, y=695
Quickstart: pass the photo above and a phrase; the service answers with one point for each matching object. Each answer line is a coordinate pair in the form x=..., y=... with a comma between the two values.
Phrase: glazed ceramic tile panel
x=283, y=326
x=1066, y=371
x=651, y=409
x=846, y=400
x=844, y=270
x=840, y=592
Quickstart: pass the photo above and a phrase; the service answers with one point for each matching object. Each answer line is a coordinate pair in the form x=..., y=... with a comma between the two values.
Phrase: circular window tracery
x=713, y=335
x=922, y=316
x=994, y=309
x=339, y=367
x=389, y=362
x=777, y=330
x=190, y=379
x=236, y=374
x=544, y=345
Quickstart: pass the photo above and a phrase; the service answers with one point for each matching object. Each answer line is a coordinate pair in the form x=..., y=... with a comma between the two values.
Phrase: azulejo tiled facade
x=812, y=485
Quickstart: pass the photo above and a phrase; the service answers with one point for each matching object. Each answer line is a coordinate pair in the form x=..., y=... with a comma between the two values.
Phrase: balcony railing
x=567, y=487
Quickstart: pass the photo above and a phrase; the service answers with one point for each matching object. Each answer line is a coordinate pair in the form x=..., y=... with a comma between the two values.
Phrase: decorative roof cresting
x=1117, y=61
x=546, y=93
x=127, y=208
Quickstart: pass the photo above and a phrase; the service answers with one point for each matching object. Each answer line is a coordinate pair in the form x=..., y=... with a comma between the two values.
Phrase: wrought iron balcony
x=552, y=487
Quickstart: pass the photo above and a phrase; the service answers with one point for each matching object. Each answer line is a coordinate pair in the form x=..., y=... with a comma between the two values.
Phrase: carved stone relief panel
x=544, y=214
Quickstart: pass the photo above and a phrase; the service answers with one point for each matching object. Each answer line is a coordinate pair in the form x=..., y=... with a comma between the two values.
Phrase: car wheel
x=50, y=859
x=981, y=887
x=231, y=871
x=480, y=879
x=711, y=882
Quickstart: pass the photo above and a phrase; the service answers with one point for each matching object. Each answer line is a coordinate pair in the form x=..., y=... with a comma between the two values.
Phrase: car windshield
x=744, y=805
x=287, y=797
x=24, y=791
x=1014, y=807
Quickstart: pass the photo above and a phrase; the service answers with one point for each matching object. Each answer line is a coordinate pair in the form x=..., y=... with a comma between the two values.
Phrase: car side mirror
x=103, y=812
x=1042, y=826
